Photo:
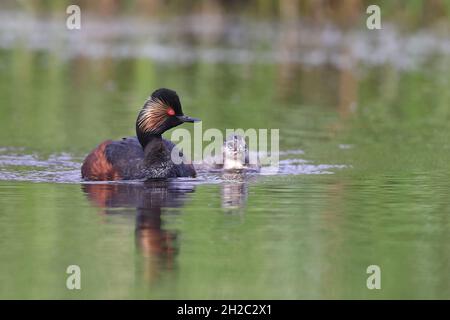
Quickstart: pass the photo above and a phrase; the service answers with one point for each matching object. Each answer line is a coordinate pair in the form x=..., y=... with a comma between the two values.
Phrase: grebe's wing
x=126, y=156
x=126, y=148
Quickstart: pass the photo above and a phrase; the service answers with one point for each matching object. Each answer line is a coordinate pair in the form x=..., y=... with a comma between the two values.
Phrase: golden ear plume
x=152, y=116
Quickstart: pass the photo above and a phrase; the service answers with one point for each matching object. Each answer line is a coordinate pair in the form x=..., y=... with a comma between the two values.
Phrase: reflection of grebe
x=148, y=155
x=158, y=246
x=234, y=168
x=234, y=193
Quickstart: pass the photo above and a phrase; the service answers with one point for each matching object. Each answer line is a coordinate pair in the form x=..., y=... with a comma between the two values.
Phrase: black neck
x=155, y=150
x=146, y=138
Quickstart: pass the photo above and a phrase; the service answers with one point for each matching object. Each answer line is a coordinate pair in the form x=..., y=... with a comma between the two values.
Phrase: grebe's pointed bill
x=188, y=119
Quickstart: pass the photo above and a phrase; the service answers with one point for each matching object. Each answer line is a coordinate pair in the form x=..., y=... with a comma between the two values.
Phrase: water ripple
x=64, y=168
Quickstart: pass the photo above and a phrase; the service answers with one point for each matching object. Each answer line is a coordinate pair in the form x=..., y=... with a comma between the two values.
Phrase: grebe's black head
x=161, y=112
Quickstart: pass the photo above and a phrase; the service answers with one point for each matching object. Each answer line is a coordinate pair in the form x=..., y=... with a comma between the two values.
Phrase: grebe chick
x=236, y=154
x=148, y=155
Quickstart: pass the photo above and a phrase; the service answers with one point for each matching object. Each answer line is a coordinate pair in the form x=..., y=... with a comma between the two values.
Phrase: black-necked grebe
x=147, y=156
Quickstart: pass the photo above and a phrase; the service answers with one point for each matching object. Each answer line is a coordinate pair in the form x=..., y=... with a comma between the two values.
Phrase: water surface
x=364, y=176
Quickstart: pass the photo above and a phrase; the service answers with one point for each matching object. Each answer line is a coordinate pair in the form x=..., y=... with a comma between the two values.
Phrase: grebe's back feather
x=128, y=157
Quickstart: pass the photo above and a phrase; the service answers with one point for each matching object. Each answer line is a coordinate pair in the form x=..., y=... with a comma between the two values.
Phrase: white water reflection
x=64, y=168
x=226, y=40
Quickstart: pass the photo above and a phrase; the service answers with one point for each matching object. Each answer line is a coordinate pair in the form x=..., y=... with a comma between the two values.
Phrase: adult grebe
x=148, y=155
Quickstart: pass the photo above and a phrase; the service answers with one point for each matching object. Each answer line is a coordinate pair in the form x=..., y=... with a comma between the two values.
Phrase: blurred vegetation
x=50, y=104
x=411, y=13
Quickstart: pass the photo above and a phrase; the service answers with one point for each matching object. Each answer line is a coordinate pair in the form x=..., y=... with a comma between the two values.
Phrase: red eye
x=170, y=111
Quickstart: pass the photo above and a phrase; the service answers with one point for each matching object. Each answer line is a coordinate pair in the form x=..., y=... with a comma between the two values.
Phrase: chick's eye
x=170, y=111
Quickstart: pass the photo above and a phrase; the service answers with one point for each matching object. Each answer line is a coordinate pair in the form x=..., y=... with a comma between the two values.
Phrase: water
x=363, y=177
